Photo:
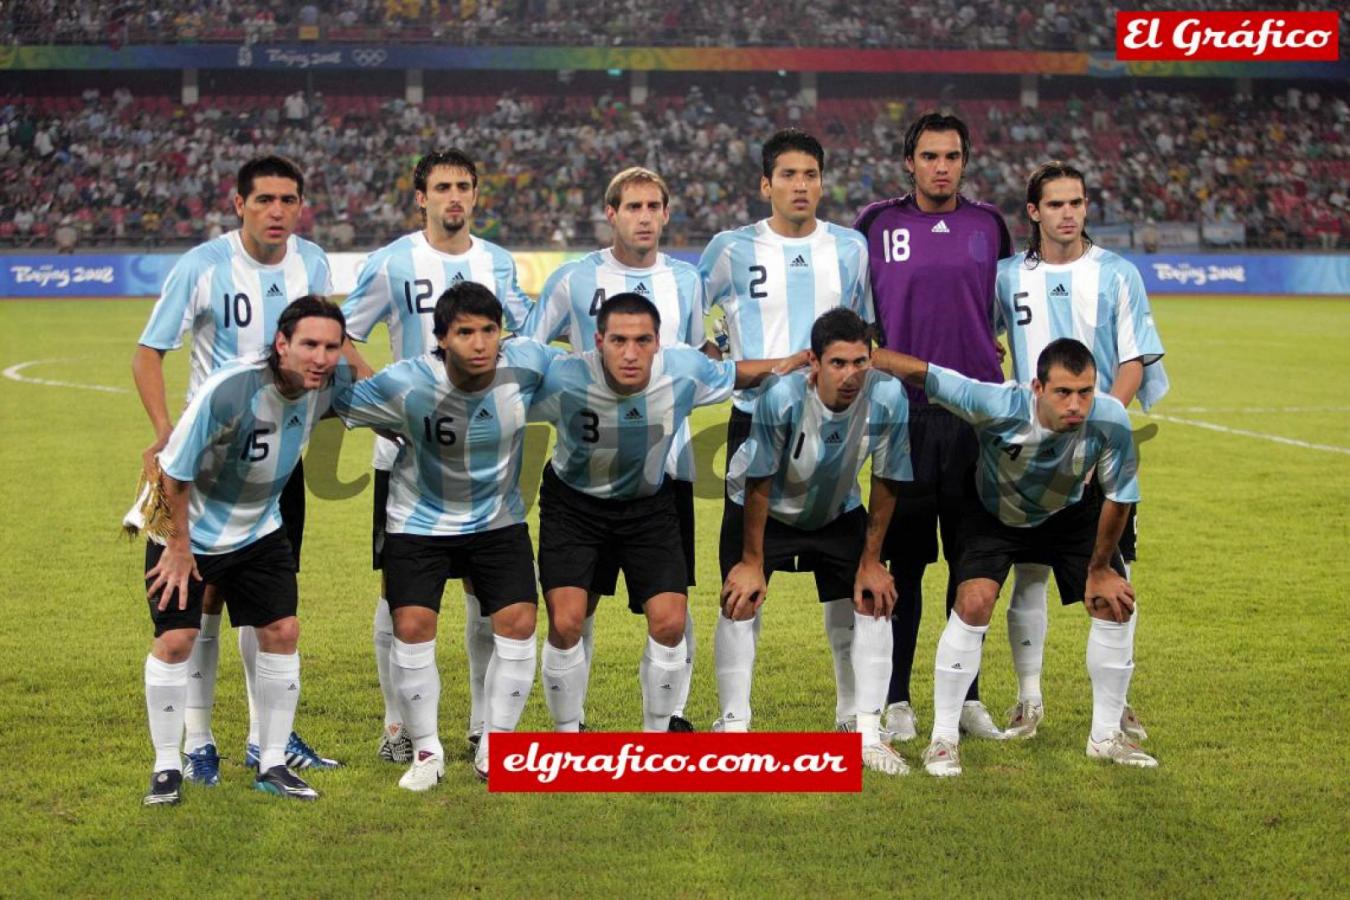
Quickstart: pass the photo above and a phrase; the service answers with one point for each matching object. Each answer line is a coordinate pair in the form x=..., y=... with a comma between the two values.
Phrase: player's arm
x=745, y=587
x=1105, y=587
x=1129, y=377
x=751, y=372
x=872, y=577
x=176, y=565
x=913, y=372
x=147, y=370
x=353, y=358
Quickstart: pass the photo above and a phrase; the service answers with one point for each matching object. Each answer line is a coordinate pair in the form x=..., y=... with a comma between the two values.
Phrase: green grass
x=1241, y=679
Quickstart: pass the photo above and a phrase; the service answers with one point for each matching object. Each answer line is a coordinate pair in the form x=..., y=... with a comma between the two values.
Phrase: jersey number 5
x=1023, y=311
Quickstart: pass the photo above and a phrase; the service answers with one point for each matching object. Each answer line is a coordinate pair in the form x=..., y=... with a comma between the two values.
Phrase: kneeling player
x=1037, y=445
x=224, y=468
x=605, y=496
x=795, y=507
x=455, y=510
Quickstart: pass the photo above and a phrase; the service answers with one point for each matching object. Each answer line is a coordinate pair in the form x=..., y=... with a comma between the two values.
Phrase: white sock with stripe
x=202, y=665
x=165, y=699
x=564, y=674
x=277, y=677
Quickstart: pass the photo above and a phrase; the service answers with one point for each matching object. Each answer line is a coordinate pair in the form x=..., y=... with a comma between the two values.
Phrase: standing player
x=933, y=257
x=772, y=280
x=1037, y=445
x=605, y=495
x=399, y=286
x=455, y=510
x=224, y=468
x=796, y=507
x=637, y=205
x=228, y=293
x=1062, y=286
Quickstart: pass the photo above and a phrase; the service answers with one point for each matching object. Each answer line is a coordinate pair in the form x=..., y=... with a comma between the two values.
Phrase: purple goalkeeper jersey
x=933, y=282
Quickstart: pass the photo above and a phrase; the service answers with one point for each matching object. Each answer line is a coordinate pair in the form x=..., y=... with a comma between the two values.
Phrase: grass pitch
x=1241, y=677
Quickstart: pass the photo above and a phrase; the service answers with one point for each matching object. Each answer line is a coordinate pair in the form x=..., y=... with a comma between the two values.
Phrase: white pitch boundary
x=1243, y=432
x=12, y=373
x=1247, y=410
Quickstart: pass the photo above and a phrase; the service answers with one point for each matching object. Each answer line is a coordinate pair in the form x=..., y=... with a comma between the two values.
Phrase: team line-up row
x=1038, y=472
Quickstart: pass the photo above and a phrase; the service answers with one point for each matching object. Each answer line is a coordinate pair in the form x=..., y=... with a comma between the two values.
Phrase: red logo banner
x=622, y=762
x=1243, y=36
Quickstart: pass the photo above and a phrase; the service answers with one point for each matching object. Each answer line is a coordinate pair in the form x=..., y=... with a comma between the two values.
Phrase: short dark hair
x=453, y=157
x=1065, y=352
x=934, y=121
x=467, y=298
x=1047, y=172
x=627, y=303
x=310, y=306
x=265, y=166
x=786, y=141
x=839, y=324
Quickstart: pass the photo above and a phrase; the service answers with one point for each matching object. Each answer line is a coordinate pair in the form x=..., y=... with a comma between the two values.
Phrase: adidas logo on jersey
x=633, y=414
x=1059, y=290
x=274, y=291
x=293, y=421
x=641, y=288
x=798, y=263
x=833, y=438
x=941, y=227
x=483, y=415
x=459, y=276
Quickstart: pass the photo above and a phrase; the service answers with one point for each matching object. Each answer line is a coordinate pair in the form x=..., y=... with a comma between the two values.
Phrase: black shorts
x=1128, y=537
x=292, y=505
x=500, y=563
x=378, y=519
x=832, y=552
x=738, y=432
x=257, y=582
x=1064, y=542
x=606, y=580
x=943, y=449
x=577, y=532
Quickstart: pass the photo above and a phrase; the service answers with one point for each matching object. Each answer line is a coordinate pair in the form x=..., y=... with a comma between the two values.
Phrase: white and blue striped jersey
x=814, y=455
x=614, y=446
x=1098, y=299
x=236, y=445
x=460, y=471
x=399, y=285
x=772, y=289
x=1027, y=472
x=571, y=301
x=230, y=301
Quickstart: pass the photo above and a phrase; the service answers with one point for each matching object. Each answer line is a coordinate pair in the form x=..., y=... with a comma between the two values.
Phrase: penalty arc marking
x=13, y=374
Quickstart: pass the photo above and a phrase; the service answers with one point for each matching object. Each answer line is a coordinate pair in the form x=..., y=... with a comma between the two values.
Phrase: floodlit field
x=1241, y=676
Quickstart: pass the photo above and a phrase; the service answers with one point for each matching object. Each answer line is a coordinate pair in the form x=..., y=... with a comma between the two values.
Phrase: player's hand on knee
x=875, y=583
x=1108, y=592
x=171, y=575
x=744, y=591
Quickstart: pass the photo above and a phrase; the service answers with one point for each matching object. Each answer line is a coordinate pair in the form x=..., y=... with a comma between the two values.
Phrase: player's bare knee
x=280, y=636
x=665, y=620
x=975, y=600
x=174, y=646
x=1098, y=608
x=415, y=624
x=515, y=621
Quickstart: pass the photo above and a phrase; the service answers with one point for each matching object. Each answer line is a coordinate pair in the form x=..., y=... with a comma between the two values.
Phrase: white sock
x=382, y=634
x=201, y=692
x=660, y=673
x=839, y=633
x=277, y=677
x=510, y=675
x=1110, y=663
x=564, y=674
x=478, y=645
x=734, y=646
x=1027, y=623
x=248, y=652
x=417, y=683
x=588, y=649
x=166, y=686
x=871, y=656
x=956, y=664
x=689, y=644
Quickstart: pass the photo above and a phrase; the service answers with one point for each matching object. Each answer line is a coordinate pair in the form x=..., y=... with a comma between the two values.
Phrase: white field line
x=12, y=373
x=1243, y=432
x=1246, y=410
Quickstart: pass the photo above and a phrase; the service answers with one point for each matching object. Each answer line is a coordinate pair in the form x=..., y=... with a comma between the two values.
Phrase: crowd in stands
x=114, y=169
x=943, y=24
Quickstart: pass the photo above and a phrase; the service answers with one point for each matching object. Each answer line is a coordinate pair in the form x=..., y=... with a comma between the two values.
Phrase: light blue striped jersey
x=571, y=300
x=1027, y=472
x=614, y=446
x=772, y=289
x=814, y=455
x=1098, y=299
x=399, y=285
x=460, y=471
x=236, y=445
x=230, y=301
